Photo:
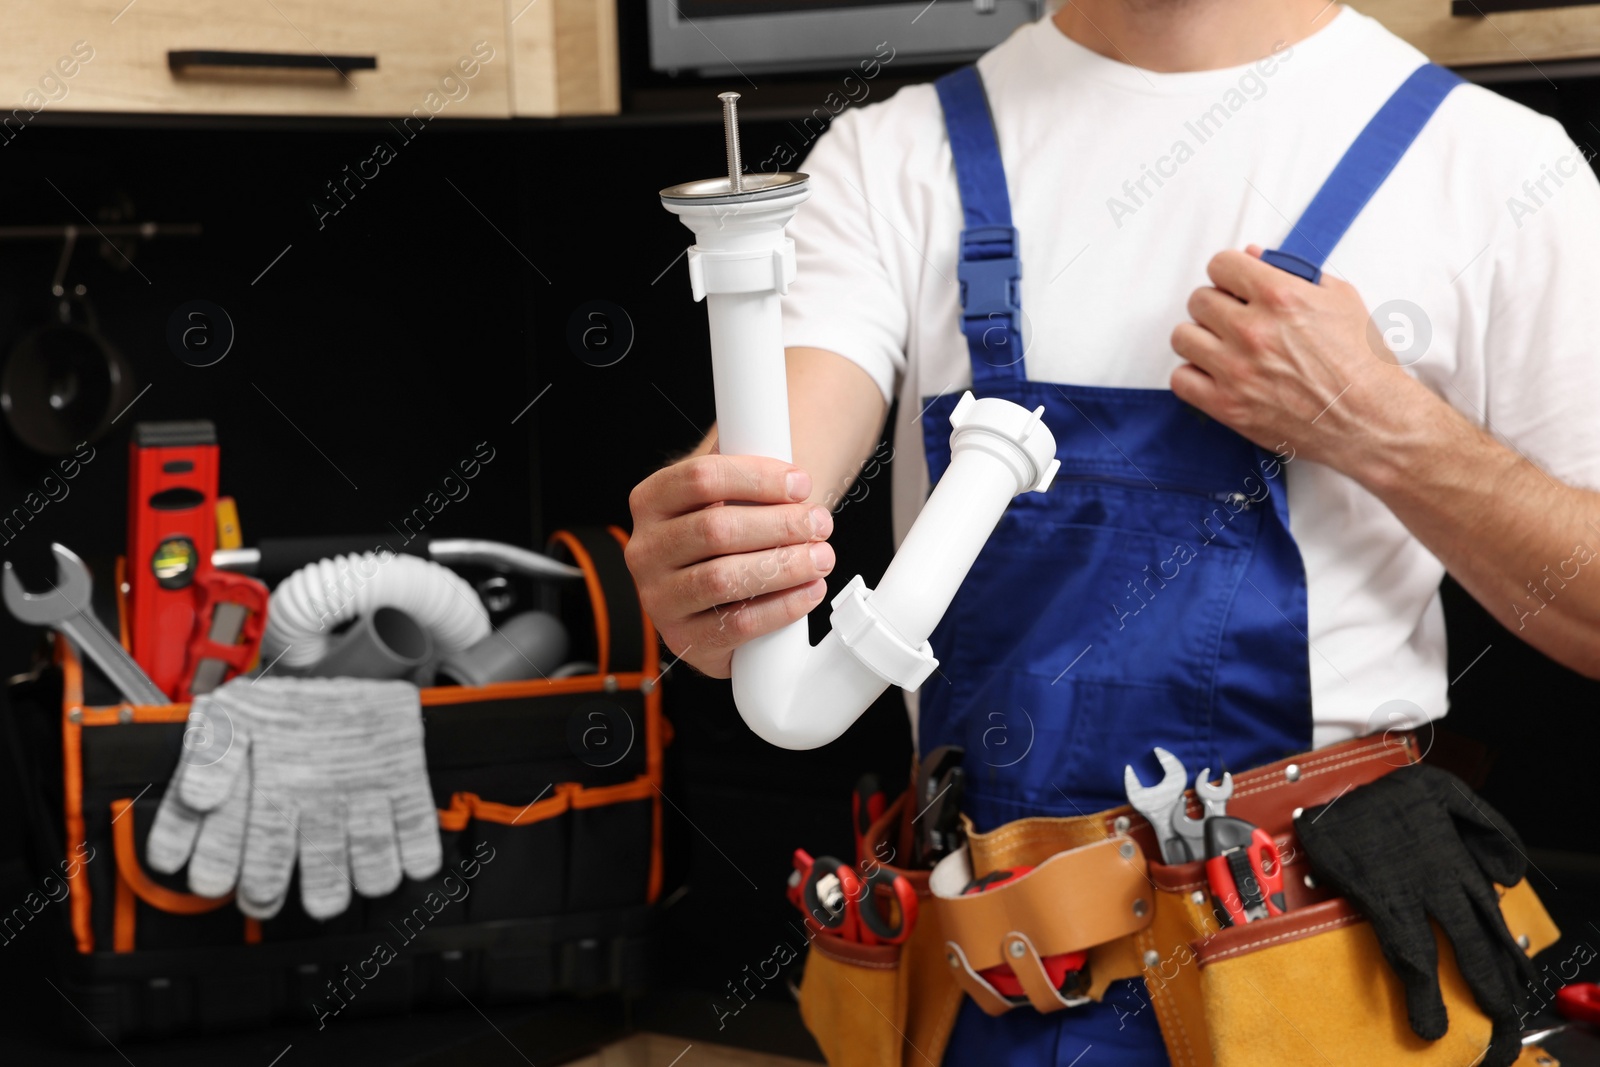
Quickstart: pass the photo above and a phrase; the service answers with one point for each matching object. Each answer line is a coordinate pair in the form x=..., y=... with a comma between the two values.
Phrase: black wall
x=386, y=344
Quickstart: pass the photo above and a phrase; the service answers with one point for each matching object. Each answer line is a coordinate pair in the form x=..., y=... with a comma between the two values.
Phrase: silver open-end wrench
x=1214, y=799
x=1191, y=831
x=1157, y=802
x=66, y=608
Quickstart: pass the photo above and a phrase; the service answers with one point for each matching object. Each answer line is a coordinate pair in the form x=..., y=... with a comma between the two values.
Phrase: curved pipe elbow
x=796, y=696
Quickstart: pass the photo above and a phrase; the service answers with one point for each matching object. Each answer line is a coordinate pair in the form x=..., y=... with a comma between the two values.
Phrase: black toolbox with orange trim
x=549, y=796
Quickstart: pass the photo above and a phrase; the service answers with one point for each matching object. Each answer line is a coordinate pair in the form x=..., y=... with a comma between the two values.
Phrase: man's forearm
x=1523, y=544
x=1281, y=361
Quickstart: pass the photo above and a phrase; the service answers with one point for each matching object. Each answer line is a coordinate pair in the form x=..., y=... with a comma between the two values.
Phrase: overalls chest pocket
x=1116, y=602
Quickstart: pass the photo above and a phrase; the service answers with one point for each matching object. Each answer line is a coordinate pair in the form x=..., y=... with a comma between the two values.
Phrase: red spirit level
x=178, y=606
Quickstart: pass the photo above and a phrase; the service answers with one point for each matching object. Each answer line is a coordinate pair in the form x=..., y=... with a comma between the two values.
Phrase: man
x=1264, y=477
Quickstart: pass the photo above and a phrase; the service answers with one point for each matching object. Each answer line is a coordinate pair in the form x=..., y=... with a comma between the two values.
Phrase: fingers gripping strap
x=1363, y=168
x=990, y=267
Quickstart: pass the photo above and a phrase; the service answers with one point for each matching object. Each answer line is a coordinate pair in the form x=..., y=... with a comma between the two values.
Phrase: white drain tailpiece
x=790, y=693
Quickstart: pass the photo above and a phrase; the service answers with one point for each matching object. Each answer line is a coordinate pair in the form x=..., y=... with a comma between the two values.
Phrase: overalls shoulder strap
x=1363, y=168
x=990, y=267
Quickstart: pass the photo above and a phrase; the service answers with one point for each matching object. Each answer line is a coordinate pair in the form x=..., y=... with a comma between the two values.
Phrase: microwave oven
x=720, y=37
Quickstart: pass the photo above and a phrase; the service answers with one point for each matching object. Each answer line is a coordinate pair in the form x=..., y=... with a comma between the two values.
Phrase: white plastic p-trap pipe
x=790, y=693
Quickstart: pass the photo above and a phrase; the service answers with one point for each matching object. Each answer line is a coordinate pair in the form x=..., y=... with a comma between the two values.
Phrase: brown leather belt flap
x=1072, y=901
x=1267, y=796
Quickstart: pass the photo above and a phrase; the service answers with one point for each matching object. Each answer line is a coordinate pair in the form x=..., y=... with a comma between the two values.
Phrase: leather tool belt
x=1298, y=987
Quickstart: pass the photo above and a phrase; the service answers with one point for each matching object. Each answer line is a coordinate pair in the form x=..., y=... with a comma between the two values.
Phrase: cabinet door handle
x=179, y=62
x=1479, y=8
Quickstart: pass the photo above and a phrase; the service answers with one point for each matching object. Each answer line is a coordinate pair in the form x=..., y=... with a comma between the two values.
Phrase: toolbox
x=550, y=804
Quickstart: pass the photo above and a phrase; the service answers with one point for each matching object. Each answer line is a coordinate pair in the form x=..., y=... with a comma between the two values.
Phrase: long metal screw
x=730, y=132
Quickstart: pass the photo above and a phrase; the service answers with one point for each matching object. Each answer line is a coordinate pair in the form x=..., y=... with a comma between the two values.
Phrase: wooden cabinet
x=391, y=58
x=1560, y=31
x=564, y=57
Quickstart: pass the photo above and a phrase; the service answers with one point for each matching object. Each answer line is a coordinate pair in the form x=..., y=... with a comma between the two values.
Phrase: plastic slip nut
x=741, y=270
x=1017, y=426
x=875, y=643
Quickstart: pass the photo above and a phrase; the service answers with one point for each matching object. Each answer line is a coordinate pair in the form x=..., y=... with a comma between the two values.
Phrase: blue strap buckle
x=1294, y=264
x=990, y=273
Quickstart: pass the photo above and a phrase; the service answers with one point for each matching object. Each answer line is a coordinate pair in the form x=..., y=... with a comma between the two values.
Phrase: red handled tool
x=1245, y=871
x=1579, y=1002
x=1067, y=971
x=231, y=615
x=867, y=805
x=840, y=902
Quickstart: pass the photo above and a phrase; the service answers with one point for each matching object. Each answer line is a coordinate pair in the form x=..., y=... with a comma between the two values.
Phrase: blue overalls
x=1153, y=596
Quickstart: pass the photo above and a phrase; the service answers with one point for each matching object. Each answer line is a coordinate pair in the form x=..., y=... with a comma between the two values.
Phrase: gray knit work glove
x=336, y=774
x=211, y=842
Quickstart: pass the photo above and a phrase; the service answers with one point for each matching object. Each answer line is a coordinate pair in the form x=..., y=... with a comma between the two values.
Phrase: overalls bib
x=1153, y=596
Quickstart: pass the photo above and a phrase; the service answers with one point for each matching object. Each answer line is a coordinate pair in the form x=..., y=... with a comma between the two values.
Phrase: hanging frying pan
x=64, y=382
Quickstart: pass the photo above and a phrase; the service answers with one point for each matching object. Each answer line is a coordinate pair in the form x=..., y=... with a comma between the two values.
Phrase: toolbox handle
x=280, y=557
x=1479, y=9
x=622, y=633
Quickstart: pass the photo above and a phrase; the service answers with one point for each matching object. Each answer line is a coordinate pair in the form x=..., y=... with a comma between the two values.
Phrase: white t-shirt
x=1123, y=185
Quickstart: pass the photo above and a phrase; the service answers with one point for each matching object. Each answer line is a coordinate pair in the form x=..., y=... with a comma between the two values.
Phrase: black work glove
x=1418, y=844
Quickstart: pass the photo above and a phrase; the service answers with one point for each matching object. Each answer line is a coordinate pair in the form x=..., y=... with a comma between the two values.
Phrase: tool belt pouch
x=1308, y=986
x=882, y=1005
x=853, y=1000
x=1312, y=983
x=1073, y=901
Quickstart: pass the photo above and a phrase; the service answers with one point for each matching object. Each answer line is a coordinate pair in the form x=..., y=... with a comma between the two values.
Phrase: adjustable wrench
x=66, y=608
x=1158, y=802
x=1215, y=801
